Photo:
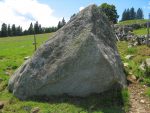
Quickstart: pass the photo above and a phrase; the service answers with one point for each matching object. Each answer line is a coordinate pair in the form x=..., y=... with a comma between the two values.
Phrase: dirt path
x=138, y=101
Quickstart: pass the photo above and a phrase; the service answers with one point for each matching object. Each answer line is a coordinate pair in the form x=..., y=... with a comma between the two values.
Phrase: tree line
x=131, y=14
x=128, y=14
x=36, y=28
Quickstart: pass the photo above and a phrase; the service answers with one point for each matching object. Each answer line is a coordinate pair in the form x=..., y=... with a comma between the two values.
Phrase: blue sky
x=49, y=12
x=68, y=7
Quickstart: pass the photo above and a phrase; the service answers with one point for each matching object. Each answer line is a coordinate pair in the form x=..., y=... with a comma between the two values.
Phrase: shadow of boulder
x=107, y=102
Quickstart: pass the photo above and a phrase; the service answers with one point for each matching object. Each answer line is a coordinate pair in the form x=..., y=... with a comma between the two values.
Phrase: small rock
x=7, y=73
x=142, y=101
x=130, y=73
x=1, y=105
x=147, y=62
x=128, y=57
x=35, y=110
x=129, y=46
x=142, y=66
x=135, y=44
x=26, y=58
x=131, y=80
x=141, y=92
x=133, y=77
x=125, y=64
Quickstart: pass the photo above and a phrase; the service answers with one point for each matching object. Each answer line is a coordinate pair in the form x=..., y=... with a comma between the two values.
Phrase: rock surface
x=26, y=58
x=125, y=64
x=80, y=59
x=129, y=57
x=147, y=61
x=35, y=110
x=145, y=64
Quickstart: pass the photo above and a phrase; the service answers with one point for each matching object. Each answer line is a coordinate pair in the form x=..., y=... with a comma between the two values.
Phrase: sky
x=49, y=12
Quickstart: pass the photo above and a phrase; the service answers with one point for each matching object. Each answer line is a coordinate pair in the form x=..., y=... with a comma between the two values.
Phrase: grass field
x=129, y=22
x=12, y=53
x=142, y=31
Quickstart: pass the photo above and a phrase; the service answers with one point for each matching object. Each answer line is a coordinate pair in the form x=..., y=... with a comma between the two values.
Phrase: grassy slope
x=129, y=22
x=12, y=53
x=142, y=31
x=140, y=54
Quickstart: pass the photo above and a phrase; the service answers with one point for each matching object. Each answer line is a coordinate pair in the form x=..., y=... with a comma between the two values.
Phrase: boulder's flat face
x=80, y=59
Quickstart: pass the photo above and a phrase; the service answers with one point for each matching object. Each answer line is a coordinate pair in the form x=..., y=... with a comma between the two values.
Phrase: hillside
x=142, y=31
x=139, y=26
x=130, y=22
x=139, y=80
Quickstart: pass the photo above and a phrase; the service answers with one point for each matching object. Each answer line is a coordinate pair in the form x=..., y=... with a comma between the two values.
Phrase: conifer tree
x=132, y=14
x=13, y=30
x=4, y=32
x=9, y=30
x=139, y=14
x=36, y=27
x=31, y=29
x=124, y=15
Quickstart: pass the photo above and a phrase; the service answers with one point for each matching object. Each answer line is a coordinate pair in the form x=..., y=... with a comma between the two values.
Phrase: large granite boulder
x=80, y=59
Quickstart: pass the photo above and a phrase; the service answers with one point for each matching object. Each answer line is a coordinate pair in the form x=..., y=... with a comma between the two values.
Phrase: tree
x=132, y=14
x=72, y=16
x=36, y=27
x=110, y=11
x=18, y=31
x=124, y=15
x=4, y=32
x=13, y=30
x=49, y=29
x=61, y=23
x=31, y=29
x=139, y=14
x=128, y=14
x=25, y=32
x=40, y=29
x=9, y=31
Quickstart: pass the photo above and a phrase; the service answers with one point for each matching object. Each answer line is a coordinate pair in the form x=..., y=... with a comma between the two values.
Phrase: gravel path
x=138, y=101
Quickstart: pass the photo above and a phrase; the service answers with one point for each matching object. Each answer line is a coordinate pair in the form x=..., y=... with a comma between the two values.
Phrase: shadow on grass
x=111, y=101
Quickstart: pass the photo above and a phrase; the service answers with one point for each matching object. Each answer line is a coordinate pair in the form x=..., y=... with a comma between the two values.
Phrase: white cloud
x=81, y=8
x=23, y=12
